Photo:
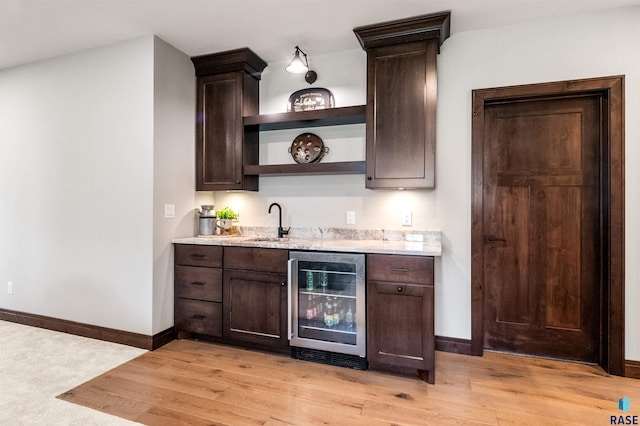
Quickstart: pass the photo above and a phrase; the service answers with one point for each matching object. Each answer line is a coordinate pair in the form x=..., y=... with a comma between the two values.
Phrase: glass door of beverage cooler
x=327, y=302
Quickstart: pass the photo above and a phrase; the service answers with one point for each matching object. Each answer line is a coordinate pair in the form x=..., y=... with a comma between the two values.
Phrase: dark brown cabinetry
x=255, y=296
x=227, y=90
x=235, y=295
x=401, y=100
x=198, y=290
x=400, y=335
x=238, y=295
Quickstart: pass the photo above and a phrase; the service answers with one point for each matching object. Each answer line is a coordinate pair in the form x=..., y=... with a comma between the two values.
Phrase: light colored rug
x=36, y=365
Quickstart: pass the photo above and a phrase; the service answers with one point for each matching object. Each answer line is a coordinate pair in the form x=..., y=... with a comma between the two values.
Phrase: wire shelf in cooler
x=336, y=293
x=332, y=330
x=316, y=329
x=328, y=271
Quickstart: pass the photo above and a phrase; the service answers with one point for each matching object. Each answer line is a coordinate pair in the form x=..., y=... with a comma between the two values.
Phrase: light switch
x=169, y=211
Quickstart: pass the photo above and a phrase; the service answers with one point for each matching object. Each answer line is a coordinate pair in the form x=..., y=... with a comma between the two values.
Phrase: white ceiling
x=32, y=30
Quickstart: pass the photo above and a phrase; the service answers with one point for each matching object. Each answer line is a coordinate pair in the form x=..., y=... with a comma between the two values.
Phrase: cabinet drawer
x=256, y=259
x=198, y=317
x=198, y=283
x=399, y=268
x=197, y=255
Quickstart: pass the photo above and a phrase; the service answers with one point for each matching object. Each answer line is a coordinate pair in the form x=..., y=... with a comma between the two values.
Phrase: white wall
x=76, y=186
x=92, y=145
x=585, y=46
x=173, y=168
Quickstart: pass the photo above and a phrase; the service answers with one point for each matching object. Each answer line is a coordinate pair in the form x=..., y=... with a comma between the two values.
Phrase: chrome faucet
x=281, y=231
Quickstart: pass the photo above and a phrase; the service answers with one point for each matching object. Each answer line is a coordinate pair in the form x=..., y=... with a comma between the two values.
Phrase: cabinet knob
x=369, y=178
x=282, y=284
x=238, y=181
x=399, y=289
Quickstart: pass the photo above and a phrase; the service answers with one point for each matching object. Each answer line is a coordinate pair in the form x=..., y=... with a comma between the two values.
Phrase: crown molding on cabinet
x=419, y=28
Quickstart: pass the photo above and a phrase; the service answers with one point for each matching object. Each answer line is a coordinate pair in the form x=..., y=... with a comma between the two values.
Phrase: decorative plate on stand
x=310, y=99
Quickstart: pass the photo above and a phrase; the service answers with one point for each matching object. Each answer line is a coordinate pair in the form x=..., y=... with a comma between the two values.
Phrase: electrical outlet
x=351, y=217
x=9, y=287
x=406, y=218
x=169, y=211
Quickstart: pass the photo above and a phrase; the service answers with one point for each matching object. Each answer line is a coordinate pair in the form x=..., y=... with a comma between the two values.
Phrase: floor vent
x=330, y=358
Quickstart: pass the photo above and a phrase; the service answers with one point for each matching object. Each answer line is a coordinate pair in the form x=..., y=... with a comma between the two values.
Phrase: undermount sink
x=269, y=239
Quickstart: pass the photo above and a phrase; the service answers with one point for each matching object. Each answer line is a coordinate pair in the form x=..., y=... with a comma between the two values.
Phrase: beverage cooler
x=327, y=308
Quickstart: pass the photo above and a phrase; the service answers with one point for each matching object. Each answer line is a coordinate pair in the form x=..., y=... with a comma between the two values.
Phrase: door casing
x=612, y=198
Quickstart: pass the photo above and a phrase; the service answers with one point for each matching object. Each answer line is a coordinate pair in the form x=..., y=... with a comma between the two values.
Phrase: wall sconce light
x=299, y=66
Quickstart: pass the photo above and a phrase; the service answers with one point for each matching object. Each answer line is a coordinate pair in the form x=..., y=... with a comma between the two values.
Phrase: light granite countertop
x=416, y=243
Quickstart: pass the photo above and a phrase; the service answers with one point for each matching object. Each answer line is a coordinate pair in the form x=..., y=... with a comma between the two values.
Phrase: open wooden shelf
x=344, y=167
x=322, y=117
x=292, y=120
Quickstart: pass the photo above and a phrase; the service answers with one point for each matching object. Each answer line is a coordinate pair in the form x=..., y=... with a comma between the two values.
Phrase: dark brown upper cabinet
x=227, y=91
x=401, y=100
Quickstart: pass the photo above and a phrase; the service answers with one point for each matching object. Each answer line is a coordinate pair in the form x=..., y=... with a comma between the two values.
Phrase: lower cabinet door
x=400, y=326
x=196, y=316
x=255, y=307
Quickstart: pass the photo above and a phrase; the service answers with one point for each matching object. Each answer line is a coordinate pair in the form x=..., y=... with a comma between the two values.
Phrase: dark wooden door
x=222, y=100
x=255, y=307
x=541, y=222
x=400, y=326
x=219, y=126
x=401, y=111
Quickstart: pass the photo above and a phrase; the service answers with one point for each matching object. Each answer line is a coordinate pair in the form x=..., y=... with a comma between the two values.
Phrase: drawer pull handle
x=198, y=317
x=399, y=289
x=197, y=283
x=494, y=239
x=395, y=269
x=198, y=256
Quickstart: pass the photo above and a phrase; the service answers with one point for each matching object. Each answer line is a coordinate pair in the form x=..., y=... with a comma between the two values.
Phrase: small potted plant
x=225, y=218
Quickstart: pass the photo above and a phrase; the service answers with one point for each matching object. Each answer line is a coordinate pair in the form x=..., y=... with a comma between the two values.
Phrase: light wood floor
x=197, y=383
